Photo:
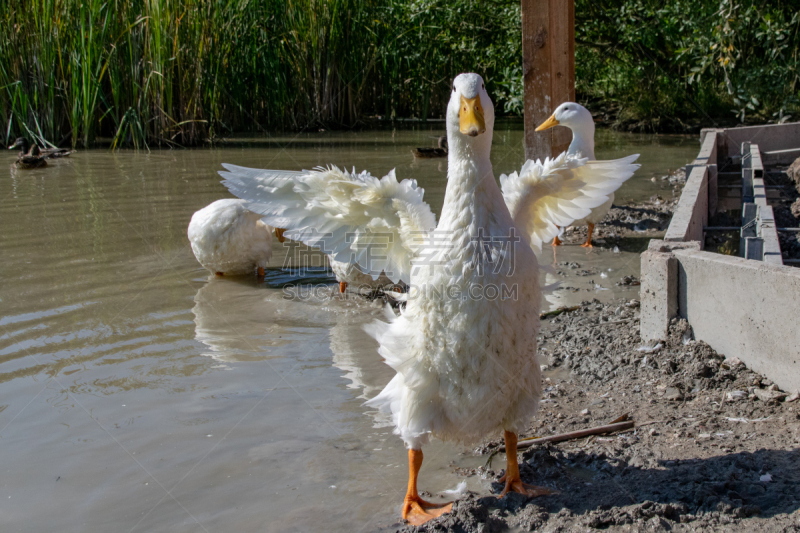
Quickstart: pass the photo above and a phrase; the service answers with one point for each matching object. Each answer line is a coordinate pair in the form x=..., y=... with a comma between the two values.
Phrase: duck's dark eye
x=483, y=87
x=454, y=88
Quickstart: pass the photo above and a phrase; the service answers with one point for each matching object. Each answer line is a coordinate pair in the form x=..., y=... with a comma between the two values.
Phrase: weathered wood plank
x=548, y=70
x=562, y=20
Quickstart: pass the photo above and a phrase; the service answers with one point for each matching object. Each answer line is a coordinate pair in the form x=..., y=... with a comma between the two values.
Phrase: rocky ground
x=715, y=447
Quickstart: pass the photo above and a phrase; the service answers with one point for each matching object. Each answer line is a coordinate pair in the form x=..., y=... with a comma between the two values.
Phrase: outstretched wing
x=356, y=218
x=560, y=191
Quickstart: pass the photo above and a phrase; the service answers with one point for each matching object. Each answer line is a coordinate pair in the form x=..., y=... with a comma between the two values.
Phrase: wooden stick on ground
x=556, y=312
x=610, y=428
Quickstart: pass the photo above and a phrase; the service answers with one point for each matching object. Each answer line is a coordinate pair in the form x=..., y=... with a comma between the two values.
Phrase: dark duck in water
x=424, y=153
x=46, y=153
x=33, y=159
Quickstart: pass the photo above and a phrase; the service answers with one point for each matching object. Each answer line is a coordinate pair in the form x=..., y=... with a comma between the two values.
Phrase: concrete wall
x=708, y=148
x=780, y=157
x=708, y=157
x=771, y=138
x=691, y=213
x=742, y=308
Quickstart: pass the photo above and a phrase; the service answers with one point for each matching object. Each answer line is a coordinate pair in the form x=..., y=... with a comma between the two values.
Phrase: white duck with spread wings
x=464, y=348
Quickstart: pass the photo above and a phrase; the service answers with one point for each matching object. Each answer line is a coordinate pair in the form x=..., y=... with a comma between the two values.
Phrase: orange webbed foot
x=587, y=244
x=516, y=485
x=556, y=241
x=417, y=511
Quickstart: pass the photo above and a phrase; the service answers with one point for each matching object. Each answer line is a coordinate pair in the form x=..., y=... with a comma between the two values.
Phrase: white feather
x=458, y=492
x=560, y=191
x=356, y=218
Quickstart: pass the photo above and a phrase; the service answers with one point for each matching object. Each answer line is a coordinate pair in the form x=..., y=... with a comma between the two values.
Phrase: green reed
x=144, y=72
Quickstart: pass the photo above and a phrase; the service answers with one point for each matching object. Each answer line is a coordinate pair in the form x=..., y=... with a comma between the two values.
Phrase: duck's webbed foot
x=511, y=478
x=417, y=511
x=517, y=485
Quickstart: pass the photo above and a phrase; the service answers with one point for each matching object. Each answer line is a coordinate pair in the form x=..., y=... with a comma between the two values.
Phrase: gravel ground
x=715, y=446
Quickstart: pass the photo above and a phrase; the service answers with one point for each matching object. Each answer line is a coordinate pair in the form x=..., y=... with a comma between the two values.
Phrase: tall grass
x=181, y=71
x=144, y=72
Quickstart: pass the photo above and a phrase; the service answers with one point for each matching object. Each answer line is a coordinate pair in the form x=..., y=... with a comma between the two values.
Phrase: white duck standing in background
x=464, y=349
x=578, y=119
x=230, y=240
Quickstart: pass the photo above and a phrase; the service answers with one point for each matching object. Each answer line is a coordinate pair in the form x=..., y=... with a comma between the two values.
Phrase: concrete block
x=745, y=309
x=754, y=248
x=759, y=192
x=756, y=163
x=708, y=148
x=658, y=293
x=749, y=226
x=691, y=213
x=768, y=232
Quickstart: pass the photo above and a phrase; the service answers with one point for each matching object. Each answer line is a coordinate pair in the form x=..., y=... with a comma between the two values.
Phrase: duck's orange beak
x=470, y=117
x=547, y=124
x=279, y=234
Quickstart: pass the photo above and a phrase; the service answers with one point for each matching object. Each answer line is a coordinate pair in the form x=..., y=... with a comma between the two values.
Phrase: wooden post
x=548, y=70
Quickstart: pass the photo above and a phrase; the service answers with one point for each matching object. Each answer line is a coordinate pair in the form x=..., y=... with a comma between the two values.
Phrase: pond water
x=140, y=394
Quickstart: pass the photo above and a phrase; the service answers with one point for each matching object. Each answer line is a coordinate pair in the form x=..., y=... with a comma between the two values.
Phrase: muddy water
x=138, y=394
